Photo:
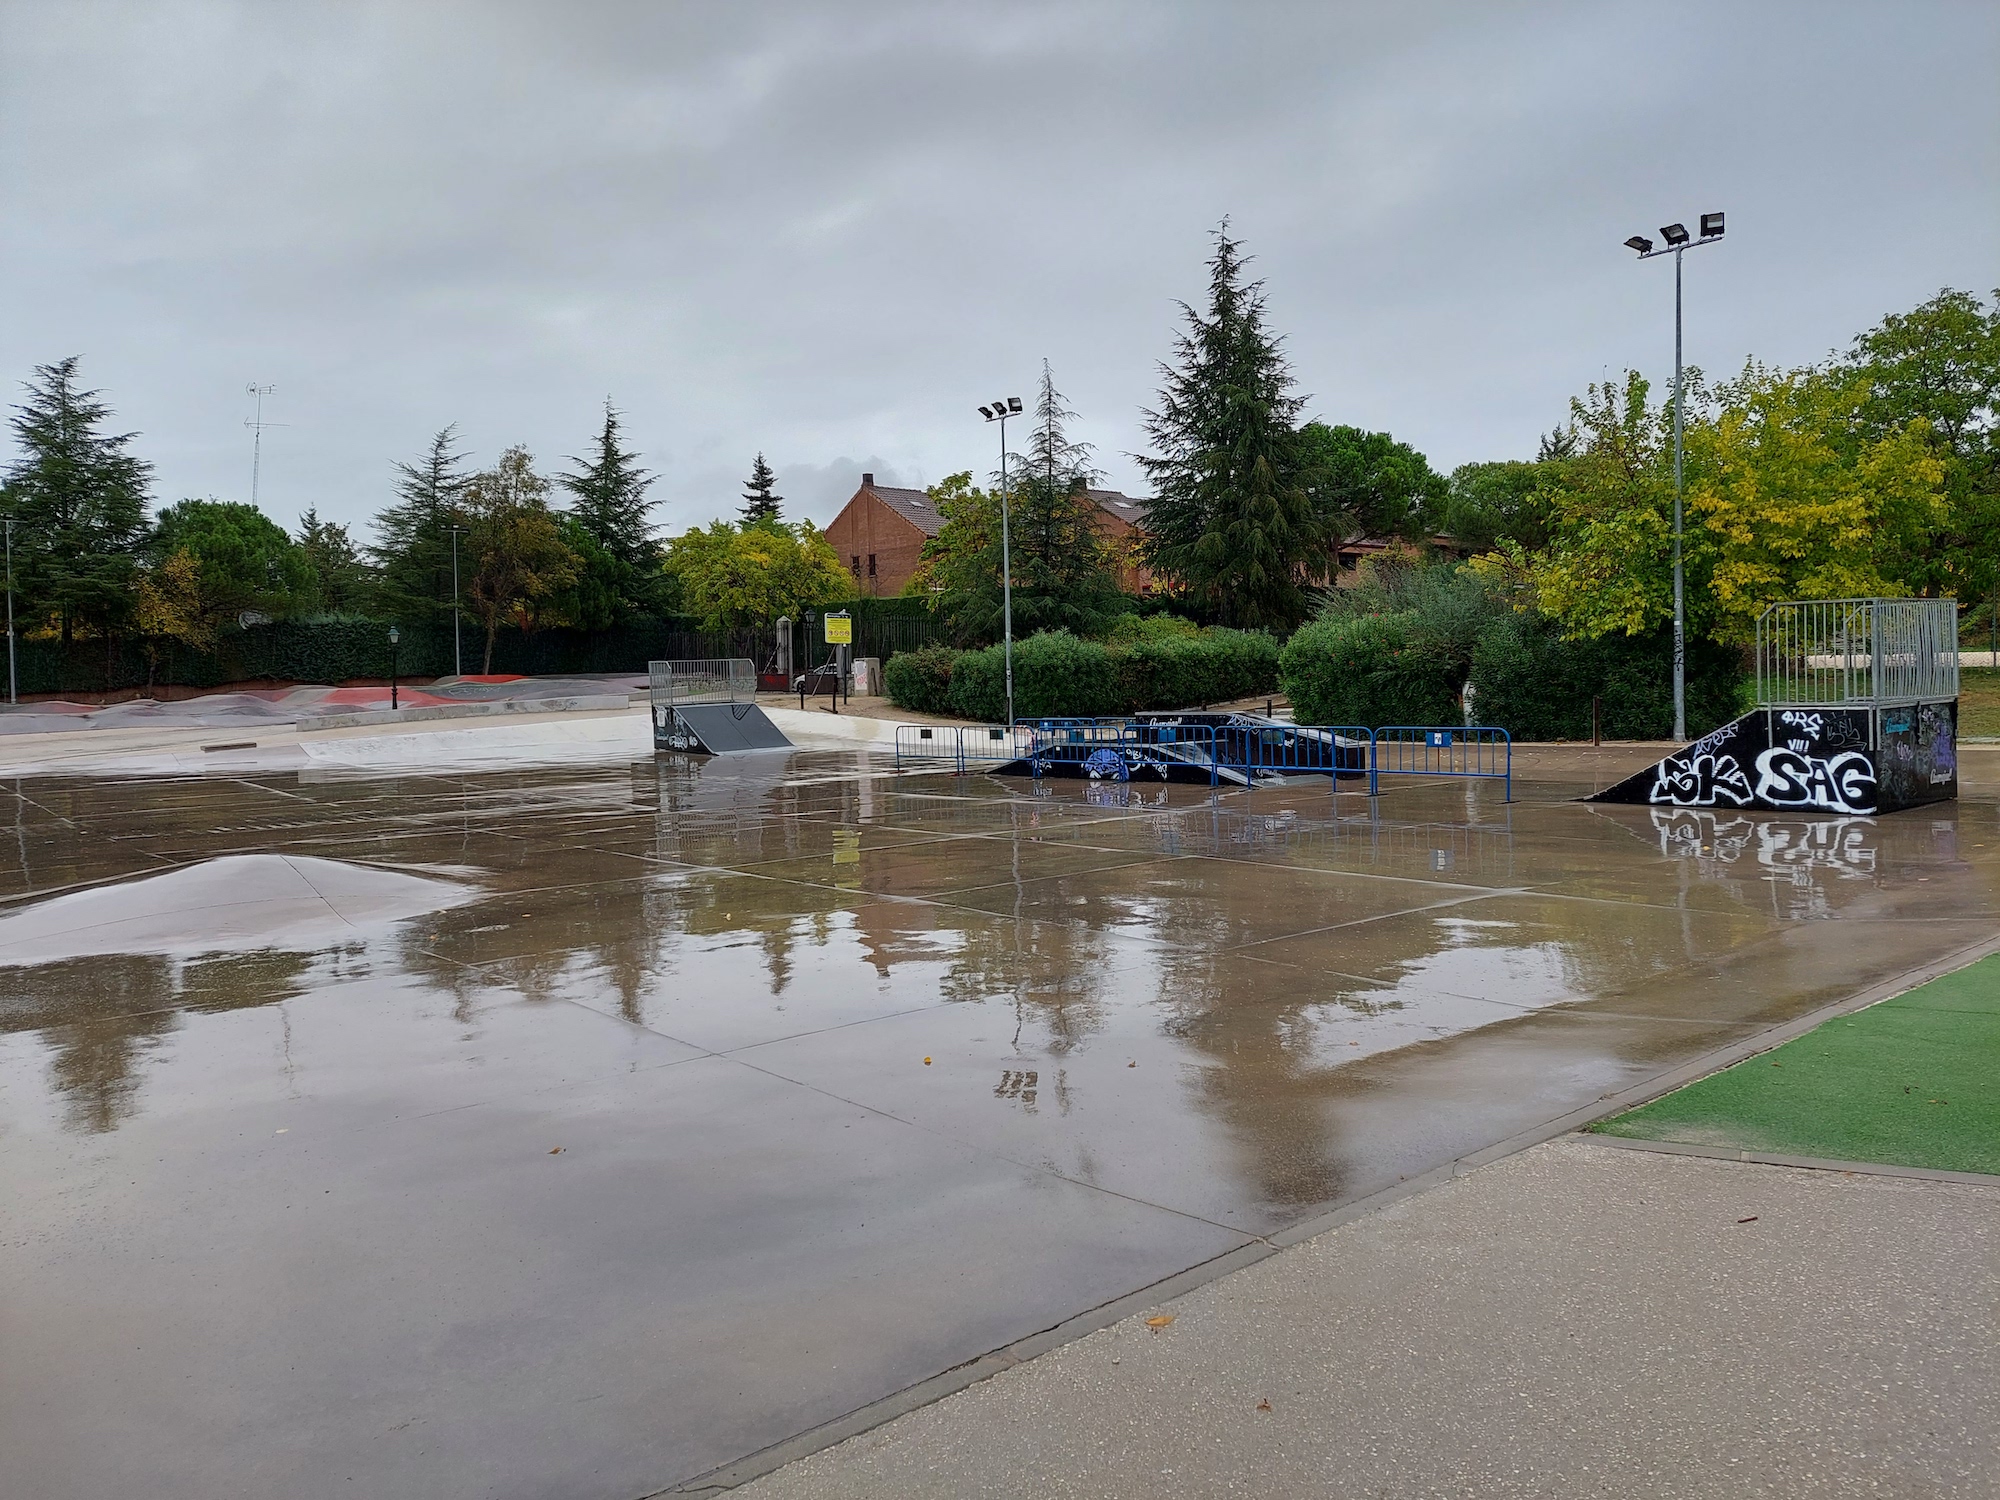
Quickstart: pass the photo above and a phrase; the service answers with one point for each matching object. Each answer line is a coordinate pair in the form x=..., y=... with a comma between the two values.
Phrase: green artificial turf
x=1914, y=1081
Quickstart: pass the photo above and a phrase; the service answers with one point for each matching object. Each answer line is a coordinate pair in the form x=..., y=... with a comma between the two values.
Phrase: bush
x=920, y=680
x=1130, y=629
x=1369, y=670
x=1539, y=686
x=1055, y=675
x=1190, y=671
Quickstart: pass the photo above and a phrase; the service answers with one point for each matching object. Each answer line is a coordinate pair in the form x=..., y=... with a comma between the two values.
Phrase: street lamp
x=12, y=695
x=1678, y=240
x=395, y=635
x=457, y=657
x=999, y=412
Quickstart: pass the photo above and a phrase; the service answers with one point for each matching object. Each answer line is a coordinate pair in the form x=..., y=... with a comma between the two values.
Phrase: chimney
x=868, y=481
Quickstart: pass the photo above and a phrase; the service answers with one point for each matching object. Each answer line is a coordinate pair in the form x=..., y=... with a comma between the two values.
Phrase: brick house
x=880, y=535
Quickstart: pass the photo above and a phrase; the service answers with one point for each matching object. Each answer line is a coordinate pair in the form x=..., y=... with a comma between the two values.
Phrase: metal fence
x=1236, y=753
x=1442, y=750
x=961, y=745
x=1829, y=653
x=726, y=679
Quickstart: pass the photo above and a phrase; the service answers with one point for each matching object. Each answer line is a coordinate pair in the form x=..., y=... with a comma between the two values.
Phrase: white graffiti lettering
x=1789, y=778
x=1812, y=724
x=1700, y=781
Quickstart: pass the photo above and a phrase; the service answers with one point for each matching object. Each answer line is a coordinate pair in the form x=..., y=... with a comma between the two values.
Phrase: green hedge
x=1370, y=670
x=1539, y=686
x=1385, y=669
x=1058, y=675
x=920, y=680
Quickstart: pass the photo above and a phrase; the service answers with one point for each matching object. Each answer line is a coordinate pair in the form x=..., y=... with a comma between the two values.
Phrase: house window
x=855, y=564
x=871, y=565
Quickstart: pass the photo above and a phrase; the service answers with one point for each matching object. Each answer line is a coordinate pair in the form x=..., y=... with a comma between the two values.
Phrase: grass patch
x=1913, y=1081
x=1978, y=701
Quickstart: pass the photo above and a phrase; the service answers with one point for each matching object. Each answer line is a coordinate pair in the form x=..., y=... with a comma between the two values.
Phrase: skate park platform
x=710, y=708
x=1857, y=713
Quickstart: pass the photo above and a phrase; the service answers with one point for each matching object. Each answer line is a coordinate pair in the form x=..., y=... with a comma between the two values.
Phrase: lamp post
x=12, y=695
x=395, y=635
x=999, y=412
x=1677, y=240
x=457, y=656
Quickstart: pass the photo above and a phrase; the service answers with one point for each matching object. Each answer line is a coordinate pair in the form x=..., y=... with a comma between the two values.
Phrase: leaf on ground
x=555, y=1151
x=1159, y=1320
x=1751, y=1220
x=1264, y=1405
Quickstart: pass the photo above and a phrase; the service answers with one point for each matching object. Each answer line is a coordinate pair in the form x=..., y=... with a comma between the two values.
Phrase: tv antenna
x=257, y=424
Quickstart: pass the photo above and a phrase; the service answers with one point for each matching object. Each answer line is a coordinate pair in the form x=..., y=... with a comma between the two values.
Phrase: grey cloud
x=821, y=231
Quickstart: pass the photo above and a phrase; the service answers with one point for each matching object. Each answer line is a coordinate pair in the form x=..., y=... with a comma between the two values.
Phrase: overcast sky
x=828, y=231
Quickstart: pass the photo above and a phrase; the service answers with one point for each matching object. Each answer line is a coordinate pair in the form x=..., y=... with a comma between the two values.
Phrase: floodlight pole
x=12, y=695
x=999, y=412
x=457, y=655
x=1680, y=599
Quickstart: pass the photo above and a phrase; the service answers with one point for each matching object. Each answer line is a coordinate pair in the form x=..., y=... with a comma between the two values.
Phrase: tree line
x=506, y=544
x=1875, y=471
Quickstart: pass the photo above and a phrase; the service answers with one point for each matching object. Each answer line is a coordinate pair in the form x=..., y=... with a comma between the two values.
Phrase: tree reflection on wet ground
x=711, y=1101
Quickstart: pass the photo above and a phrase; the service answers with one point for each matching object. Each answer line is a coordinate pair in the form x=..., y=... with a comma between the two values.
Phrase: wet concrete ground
x=572, y=1132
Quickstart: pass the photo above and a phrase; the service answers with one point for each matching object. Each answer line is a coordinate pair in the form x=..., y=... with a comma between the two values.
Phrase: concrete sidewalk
x=1577, y=1320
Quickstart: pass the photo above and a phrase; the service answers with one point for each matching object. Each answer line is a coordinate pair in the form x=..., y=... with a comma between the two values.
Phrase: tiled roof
x=913, y=506
x=1128, y=508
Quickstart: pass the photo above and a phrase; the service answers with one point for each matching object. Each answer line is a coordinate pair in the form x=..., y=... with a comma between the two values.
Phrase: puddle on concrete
x=383, y=1114
x=239, y=902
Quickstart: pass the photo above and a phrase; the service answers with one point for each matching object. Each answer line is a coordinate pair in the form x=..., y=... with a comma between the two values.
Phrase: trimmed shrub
x=1190, y=671
x=920, y=680
x=1055, y=675
x=1538, y=686
x=1370, y=670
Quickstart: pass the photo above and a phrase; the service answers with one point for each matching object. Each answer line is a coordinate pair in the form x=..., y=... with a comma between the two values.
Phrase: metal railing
x=1832, y=653
x=961, y=745
x=726, y=679
x=1442, y=750
x=1237, y=753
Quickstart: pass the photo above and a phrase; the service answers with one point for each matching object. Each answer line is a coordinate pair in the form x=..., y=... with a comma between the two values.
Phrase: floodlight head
x=986, y=412
x=1674, y=234
x=1711, y=226
x=1014, y=405
x=1640, y=243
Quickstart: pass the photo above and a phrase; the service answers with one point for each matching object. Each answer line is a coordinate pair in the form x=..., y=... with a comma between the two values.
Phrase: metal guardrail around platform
x=1236, y=752
x=1441, y=750
x=961, y=745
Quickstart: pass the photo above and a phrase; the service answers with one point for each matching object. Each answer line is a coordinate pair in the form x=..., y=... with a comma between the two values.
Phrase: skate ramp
x=719, y=729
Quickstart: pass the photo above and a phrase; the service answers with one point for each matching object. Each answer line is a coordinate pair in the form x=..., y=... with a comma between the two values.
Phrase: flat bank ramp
x=720, y=729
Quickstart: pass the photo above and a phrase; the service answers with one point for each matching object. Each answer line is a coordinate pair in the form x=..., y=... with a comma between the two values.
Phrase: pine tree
x=413, y=536
x=339, y=577
x=1231, y=522
x=762, y=506
x=78, y=502
x=1064, y=573
x=611, y=504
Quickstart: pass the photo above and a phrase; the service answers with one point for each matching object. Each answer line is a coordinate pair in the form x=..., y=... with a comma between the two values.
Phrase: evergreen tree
x=78, y=501
x=762, y=505
x=413, y=536
x=1065, y=576
x=339, y=578
x=607, y=527
x=611, y=504
x=1231, y=523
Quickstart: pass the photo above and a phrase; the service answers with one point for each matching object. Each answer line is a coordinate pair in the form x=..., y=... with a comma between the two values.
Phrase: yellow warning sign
x=840, y=630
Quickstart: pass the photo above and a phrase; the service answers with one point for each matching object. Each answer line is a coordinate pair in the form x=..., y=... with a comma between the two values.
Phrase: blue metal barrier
x=960, y=745
x=1442, y=750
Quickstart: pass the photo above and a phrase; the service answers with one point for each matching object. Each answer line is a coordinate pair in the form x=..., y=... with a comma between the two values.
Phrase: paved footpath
x=1580, y=1319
